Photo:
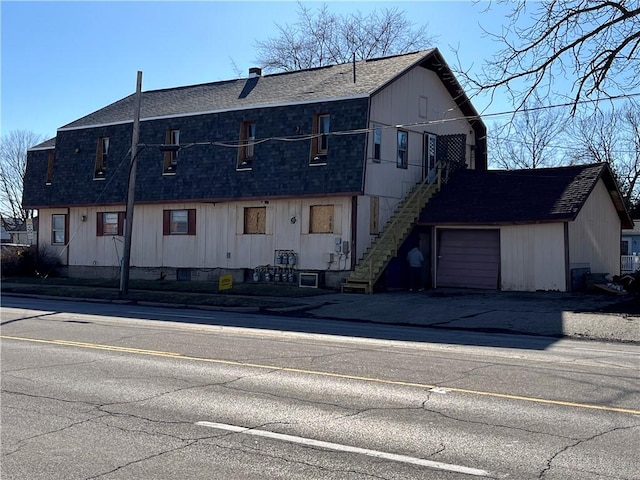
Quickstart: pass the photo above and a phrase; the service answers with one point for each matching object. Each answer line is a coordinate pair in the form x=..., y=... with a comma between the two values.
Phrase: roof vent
x=255, y=72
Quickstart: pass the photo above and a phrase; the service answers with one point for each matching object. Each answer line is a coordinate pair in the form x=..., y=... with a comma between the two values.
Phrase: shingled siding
x=206, y=172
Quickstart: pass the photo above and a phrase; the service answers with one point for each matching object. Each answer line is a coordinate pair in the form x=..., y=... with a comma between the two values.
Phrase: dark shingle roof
x=317, y=84
x=494, y=197
x=46, y=145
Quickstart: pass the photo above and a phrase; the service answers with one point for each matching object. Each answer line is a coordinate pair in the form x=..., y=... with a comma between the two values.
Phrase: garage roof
x=497, y=197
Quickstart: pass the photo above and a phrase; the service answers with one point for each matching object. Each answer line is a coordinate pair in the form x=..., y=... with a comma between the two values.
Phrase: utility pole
x=131, y=191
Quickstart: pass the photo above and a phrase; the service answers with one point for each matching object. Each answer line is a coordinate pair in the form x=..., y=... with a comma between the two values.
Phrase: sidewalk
x=552, y=314
x=589, y=316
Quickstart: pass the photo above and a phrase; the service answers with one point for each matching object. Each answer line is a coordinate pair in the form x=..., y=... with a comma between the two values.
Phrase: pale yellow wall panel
x=532, y=257
x=594, y=237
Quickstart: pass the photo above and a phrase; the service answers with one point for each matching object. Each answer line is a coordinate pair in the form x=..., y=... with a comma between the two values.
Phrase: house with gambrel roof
x=232, y=175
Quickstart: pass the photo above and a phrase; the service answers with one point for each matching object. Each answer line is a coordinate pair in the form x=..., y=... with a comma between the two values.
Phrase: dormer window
x=247, y=143
x=320, y=141
x=172, y=139
x=102, y=156
x=51, y=157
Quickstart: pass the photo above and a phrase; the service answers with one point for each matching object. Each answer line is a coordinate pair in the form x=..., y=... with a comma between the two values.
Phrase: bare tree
x=13, y=162
x=594, y=43
x=320, y=38
x=611, y=136
x=529, y=140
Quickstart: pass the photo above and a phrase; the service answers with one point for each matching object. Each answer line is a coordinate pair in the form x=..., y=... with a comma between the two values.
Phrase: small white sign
x=29, y=229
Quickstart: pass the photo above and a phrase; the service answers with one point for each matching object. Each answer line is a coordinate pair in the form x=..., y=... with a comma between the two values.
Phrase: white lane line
x=346, y=448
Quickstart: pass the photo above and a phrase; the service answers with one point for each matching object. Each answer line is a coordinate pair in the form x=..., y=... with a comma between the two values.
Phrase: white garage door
x=468, y=258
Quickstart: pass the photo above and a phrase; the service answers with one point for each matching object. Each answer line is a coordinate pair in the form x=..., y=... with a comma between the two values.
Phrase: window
x=59, y=229
x=320, y=141
x=403, y=139
x=102, y=155
x=321, y=219
x=430, y=150
x=377, y=142
x=50, y=159
x=179, y=222
x=255, y=220
x=172, y=142
x=247, y=139
x=624, y=247
x=110, y=223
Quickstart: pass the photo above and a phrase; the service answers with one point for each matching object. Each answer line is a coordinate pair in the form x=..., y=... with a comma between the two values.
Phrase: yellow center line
x=156, y=353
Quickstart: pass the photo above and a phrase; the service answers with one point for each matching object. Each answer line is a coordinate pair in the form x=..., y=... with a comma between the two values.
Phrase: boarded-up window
x=422, y=107
x=179, y=222
x=50, y=159
x=321, y=219
x=255, y=220
x=110, y=223
x=374, y=216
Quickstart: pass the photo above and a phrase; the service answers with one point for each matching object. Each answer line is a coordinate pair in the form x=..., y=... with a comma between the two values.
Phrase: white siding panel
x=219, y=241
x=594, y=237
x=399, y=104
x=533, y=257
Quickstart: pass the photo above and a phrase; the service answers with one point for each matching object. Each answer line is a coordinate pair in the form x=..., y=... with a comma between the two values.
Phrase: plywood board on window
x=321, y=219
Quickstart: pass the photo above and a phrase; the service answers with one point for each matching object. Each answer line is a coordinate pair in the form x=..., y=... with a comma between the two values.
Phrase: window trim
x=65, y=230
x=100, y=223
x=246, y=152
x=191, y=221
x=402, y=155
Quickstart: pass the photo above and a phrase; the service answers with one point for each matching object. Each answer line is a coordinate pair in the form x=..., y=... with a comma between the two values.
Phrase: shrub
x=27, y=261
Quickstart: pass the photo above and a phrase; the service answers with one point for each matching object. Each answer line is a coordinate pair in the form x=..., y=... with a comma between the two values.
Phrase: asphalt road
x=94, y=391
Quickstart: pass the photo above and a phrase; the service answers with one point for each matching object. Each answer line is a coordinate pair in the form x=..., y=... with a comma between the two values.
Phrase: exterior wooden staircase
x=384, y=247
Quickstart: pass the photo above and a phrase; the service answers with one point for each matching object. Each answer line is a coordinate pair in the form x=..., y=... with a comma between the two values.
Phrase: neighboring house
x=22, y=234
x=231, y=175
x=524, y=229
x=4, y=235
x=630, y=248
x=14, y=231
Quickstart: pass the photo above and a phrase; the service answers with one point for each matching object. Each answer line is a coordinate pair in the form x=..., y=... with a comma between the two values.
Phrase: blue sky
x=63, y=60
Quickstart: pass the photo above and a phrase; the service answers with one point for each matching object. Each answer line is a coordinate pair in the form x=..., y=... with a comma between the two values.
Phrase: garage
x=468, y=258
